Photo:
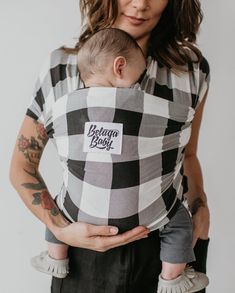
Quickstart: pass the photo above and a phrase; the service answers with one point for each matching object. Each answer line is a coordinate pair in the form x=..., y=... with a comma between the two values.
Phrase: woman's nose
x=140, y=4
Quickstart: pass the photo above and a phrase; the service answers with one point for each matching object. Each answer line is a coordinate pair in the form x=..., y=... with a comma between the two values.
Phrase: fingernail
x=146, y=236
x=114, y=230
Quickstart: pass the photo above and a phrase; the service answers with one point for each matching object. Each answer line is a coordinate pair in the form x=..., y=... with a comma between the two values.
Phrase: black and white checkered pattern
x=141, y=185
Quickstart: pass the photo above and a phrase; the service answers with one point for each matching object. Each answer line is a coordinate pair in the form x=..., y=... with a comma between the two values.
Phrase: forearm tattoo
x=42, y=197
x=32, y=150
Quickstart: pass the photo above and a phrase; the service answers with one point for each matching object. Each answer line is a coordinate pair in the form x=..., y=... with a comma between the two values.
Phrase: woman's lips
x=135, y=21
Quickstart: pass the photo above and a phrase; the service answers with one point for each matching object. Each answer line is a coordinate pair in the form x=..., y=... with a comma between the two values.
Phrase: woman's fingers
x=98, y=238
x=105, y=243
x=95, y=230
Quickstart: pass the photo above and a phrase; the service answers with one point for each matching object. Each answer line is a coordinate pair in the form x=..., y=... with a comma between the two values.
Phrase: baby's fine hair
x=103, y=47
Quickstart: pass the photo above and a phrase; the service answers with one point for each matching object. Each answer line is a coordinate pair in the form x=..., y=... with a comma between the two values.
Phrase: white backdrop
x=29, y=30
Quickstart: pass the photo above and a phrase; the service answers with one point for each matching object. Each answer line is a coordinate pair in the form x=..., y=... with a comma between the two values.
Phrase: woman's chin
x=131, y=31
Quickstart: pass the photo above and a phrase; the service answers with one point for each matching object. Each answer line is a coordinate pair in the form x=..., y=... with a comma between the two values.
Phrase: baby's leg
x=57, y=251
x=172, y=271
x=54, y=261
x=176, y=251
x=175, y=278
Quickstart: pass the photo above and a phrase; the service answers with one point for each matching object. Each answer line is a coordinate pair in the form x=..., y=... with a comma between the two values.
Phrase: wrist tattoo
x=196, y=204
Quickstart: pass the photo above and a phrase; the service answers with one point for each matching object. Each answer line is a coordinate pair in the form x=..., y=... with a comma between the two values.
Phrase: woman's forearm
x=29, y=184
x=26, y=179
x=196, y=196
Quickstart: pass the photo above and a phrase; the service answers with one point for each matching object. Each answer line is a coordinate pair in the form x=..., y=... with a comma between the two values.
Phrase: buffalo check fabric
x=130, y=172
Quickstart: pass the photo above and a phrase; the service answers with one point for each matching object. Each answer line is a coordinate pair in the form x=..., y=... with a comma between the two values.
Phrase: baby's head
x=111, y=57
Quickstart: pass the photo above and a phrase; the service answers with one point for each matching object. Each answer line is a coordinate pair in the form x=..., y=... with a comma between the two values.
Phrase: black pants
x=131, y=268
x=200, y=251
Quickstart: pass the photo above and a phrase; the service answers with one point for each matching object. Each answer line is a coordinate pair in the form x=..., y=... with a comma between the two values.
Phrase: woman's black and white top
x=122, y=150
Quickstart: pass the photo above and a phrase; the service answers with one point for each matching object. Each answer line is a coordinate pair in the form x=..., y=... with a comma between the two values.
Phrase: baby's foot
x=190, y=281
x=58, y=268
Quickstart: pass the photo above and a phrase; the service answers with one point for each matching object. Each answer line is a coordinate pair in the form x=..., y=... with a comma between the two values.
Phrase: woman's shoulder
x=193, y=80
x=200, y=76
x=60, y=56
x=57, y=77
x=202, y=64
x=62, y=67
x=197, y=66
x=62, y=62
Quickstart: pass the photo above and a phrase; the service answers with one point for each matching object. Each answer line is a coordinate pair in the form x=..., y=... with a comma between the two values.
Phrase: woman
x=103, y=261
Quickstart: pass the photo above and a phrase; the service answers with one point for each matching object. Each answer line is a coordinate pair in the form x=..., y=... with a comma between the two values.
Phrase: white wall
x=29, y=30
x=217, y=141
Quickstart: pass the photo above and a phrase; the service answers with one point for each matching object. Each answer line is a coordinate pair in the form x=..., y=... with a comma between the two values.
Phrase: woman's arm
x=26, y=179
x=196, y=196
x=25, y=176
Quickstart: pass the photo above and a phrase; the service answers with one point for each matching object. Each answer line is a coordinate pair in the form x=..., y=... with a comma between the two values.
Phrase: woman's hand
x=98, y=238
x=201, y=224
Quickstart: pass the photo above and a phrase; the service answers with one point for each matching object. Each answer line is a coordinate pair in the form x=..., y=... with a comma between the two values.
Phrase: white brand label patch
x=103, y=137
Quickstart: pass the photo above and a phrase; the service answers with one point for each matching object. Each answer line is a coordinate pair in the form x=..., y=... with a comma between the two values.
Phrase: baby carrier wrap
x=122, y=155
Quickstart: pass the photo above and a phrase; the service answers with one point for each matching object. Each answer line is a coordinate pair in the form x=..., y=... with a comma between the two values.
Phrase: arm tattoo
x=41, y=131
x=42, y=197
x=32, y=150
x=196, y=204
x=32, y=147
x=36, y=186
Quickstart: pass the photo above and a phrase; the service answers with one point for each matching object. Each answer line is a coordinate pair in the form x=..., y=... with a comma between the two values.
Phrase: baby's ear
x=119, y=65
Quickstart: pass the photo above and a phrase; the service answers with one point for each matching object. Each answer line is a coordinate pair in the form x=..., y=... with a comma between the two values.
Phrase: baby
x=112, y=58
